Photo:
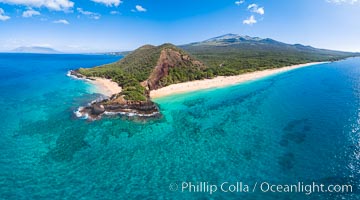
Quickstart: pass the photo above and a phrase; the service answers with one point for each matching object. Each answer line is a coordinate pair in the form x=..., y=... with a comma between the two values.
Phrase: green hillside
x=239, y=54
x=152, y=67
x=139, y=65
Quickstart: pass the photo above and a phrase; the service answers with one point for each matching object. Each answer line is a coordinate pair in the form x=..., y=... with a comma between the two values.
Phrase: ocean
x=298, y=128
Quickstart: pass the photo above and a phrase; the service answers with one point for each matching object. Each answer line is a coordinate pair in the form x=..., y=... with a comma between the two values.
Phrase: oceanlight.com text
x=265, y=187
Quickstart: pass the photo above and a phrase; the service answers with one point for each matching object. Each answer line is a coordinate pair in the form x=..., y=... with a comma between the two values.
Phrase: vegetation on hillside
x=221, y=57
x=136, y=67
x=253, y=55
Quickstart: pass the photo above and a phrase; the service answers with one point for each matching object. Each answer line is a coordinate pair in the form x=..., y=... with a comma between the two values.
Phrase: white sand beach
x=105, y=86
x=221, y=81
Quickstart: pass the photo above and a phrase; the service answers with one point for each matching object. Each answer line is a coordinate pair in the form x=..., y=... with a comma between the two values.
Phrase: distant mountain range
x=227, y=39
x=235, y=39
x=247, y=53
x=238, y=41
x=35, y=49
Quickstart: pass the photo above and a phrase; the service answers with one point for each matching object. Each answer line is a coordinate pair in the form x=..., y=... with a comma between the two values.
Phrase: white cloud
x=342, y=1
x=89, y=14
x=239, y=2
x=108, y=2
x=251, y=20
x=58, y=5
x=260, y=11
x=140, y=8
x=256, y=9
x=61, y=21
x=114, y=12
x=252, y=6
x=3, y=17
x=30, y=13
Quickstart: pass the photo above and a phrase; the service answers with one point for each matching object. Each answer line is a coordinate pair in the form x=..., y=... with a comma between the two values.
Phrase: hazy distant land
x=35, y=49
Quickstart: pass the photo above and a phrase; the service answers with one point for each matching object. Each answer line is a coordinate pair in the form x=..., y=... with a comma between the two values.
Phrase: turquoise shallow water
x=301, y=125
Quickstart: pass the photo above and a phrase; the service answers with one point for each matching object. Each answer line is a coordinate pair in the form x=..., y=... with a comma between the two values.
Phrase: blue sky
x=113, y=25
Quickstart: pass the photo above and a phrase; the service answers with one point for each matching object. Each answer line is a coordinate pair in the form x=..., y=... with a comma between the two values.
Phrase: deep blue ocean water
x=299, y=126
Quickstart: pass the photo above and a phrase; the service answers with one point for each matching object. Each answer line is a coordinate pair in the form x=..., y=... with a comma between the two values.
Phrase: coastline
x=117, y=105
x=222, y=81
x=103, y=86
x=112, y=104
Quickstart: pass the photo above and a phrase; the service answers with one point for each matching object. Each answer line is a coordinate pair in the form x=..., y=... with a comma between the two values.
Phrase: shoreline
x=112, y=104
x=104, y=86
x=222, y=81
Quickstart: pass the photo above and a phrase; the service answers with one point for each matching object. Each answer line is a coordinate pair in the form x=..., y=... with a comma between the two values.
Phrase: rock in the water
x=97, y=109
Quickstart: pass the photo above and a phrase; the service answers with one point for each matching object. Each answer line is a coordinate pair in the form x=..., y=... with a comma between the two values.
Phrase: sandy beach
x=104, y=86
x=221, y=81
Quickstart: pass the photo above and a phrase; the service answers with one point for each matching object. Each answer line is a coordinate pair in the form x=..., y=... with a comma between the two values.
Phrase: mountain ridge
x=246, y=54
